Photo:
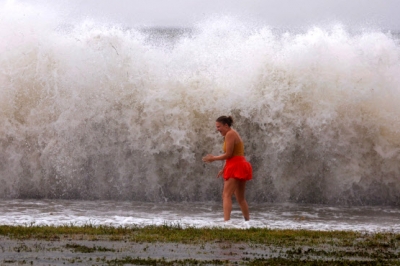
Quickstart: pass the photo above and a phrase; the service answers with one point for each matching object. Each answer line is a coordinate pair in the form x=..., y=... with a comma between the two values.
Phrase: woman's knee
x=241, y=200
x=227, y=194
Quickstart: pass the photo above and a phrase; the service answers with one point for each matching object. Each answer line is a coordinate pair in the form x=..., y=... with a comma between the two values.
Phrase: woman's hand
x=208, y=158
x=220, y=173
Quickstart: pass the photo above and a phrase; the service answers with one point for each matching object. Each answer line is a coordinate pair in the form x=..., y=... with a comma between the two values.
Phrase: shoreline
x=199, y=214
x=174, y=245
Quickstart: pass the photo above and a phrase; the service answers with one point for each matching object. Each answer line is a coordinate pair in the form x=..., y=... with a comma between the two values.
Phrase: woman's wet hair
x=225, y=120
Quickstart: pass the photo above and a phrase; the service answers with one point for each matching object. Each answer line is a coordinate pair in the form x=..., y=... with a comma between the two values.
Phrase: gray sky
x=382, y=14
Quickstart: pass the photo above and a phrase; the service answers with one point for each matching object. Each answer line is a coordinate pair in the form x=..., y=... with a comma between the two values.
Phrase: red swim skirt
x=237, y=167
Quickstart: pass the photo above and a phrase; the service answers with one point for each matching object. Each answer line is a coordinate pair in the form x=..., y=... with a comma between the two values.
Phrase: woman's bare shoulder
x=234, y=134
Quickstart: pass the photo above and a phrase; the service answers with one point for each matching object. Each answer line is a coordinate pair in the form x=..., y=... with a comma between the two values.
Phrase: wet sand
x=84, y=250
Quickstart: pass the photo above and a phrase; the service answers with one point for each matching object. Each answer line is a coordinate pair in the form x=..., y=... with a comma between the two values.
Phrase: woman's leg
x=239, y=194
x=230, y=186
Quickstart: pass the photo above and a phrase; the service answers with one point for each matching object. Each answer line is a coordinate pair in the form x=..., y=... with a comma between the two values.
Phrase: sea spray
x=94, y=111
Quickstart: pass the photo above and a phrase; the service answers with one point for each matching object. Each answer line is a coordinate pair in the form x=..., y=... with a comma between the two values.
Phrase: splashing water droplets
x=93, y=111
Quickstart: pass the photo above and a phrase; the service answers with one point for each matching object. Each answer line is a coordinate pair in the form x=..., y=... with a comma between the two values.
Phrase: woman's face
x=222, y=128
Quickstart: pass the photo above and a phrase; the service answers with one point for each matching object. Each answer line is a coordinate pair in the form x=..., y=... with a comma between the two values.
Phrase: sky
x=383, y=14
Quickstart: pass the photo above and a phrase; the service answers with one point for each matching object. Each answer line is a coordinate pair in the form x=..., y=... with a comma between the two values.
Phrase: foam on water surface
x=200, y=215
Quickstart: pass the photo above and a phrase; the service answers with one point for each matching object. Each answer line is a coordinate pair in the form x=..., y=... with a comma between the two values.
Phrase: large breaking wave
x=93, y=111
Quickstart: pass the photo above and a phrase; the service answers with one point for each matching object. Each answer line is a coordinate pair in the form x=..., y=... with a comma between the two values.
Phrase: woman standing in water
x=236, y=170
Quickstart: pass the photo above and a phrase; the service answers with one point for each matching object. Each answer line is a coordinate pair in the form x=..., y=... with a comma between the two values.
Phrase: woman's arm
x=221, y=172
x=229, y=144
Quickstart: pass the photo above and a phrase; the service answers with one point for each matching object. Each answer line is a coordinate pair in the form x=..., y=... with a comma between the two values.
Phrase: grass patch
x=191, y=235
x=172, y=233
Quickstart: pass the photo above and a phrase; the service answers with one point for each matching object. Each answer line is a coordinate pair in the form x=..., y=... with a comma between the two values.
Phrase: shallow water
x=274, y=216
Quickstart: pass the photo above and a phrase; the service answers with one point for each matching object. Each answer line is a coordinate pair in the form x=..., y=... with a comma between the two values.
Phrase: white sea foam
x=199, y=215
x=90, y=111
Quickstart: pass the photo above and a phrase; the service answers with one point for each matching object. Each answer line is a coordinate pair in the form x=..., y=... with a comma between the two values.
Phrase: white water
x=273, y=216
x=93, y=111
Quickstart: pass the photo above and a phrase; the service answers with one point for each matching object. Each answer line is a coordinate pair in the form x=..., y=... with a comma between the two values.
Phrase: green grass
x=175, y=233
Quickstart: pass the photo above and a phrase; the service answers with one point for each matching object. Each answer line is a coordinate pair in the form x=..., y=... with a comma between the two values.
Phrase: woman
x=236, y=170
